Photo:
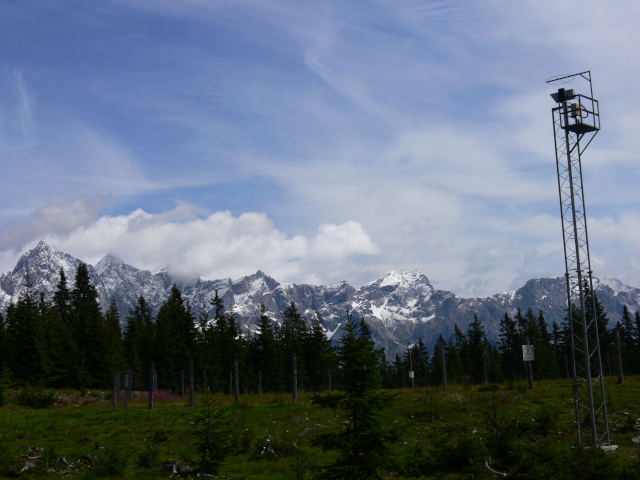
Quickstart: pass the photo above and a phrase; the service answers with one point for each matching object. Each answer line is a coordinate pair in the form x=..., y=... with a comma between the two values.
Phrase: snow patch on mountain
x=617, y=286
x=429, y=318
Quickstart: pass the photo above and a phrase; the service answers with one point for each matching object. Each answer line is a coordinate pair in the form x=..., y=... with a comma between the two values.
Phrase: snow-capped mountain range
x=401, y=307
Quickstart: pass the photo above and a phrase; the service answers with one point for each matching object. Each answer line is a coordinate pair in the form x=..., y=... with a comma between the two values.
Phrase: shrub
x=148, y=458
x=546, y=420
x=8, y=462
x=489, y=387
x=5, y=382
x=36, y=398
x=447, y=455
x=462, y=453
x=160, y=436
x=111, y=461
x=589, y=464
x=630, y=424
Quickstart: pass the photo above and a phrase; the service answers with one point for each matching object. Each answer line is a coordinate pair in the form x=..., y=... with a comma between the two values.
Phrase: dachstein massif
x=401, y=307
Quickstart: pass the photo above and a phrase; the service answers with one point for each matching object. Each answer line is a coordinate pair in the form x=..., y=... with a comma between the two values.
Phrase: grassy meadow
x=527, y=434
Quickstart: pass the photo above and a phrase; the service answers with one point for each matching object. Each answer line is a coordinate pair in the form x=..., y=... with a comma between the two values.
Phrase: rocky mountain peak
x=107, y=262
x=41, y=253
x=405, y=278
x=43, y=263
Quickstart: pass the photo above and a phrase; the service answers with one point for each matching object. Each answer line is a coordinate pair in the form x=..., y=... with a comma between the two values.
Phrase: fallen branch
x=487, y=465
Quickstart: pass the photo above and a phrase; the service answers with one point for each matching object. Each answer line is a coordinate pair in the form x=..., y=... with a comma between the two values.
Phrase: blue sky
x=317, y=141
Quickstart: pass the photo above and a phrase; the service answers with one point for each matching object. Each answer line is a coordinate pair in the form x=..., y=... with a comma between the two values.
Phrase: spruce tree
x=628, y=342
x=399, y=371
x=387, y=371
x=263, y=350
x=605, y=336
x=292, y=336
x=87, y=327
x=62, y=299
x=532, y=327
x=435, y=367
x=607, y=342
x=27, y=348
x=317, y=350
x=545, y=359
x=175, y=335
x=113, y=345
x=493, y=364
x=206, y=356
x=477, y=350
x=220, y=340
x=226, y=342
x=63, y=351
x=521, y=322
x=138, y=338
x=509, y=350
x=454, y=349
x=362, y=445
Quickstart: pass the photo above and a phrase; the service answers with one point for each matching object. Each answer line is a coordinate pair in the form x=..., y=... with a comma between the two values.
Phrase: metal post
x=329, y=372
x=236, y=376
x=486, y=378
x=130, y=393
x=527, y=366
x=182, y=383
x=412, y=373
x=260, y=382
x=116, y=386
x=294, y=368
x=619, y=352
x=192, y=387
x=151, y=374
x=444, y=366
x=126, y=390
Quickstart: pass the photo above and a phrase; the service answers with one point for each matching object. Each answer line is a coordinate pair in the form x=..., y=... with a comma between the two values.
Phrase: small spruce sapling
x=212, y=428
x=362, y=445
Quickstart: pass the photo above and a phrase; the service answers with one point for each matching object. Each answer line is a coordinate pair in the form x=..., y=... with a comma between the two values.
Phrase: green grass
x=442, y=435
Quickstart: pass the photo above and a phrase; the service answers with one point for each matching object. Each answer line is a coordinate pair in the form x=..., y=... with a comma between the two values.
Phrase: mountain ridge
x=401, y=307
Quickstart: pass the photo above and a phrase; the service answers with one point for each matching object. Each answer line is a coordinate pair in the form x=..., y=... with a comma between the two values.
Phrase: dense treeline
x=471, y=358
x=71, y=342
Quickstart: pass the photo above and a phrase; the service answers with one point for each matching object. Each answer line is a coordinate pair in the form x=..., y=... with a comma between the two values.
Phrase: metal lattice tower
x=576, y=121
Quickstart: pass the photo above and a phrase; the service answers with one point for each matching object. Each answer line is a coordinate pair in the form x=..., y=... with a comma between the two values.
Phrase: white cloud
x=61, y=216
x=214, y=247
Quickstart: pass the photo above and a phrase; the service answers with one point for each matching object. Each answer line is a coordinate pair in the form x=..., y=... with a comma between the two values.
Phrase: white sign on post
x=411, y=374
x=527, y=353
